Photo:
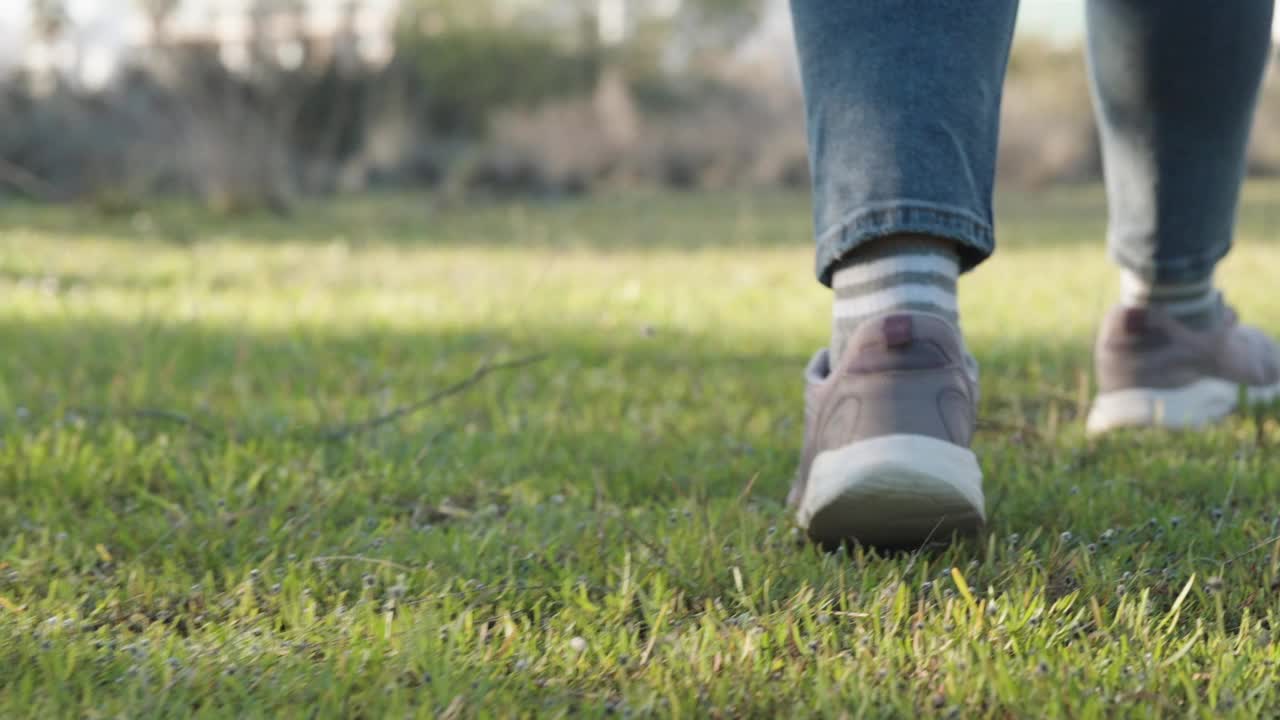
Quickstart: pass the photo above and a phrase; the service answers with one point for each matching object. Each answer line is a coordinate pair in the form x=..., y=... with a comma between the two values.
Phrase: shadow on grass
x=630, y=420
x=621, y=222
x=612, y=222
x=1064, y=216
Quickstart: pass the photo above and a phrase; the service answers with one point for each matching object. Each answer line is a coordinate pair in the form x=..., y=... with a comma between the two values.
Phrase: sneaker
x=1154, y=371
x=886, y=459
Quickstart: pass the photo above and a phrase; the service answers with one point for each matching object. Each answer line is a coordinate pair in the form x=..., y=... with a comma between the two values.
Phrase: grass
x=194, y=520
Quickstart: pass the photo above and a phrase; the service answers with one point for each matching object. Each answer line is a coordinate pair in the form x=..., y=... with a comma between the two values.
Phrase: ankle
x=1196, y=303
x=898, y=273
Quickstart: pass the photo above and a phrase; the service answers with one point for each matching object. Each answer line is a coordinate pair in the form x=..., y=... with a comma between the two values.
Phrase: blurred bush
x=1047, y=128
x=470, y=74
x=240, y=142
x=476, y=103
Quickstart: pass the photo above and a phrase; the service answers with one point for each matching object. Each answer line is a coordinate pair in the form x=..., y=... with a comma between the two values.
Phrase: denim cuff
x=974, y=236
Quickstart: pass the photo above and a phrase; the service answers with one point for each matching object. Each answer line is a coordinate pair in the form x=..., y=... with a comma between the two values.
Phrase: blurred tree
x=473, y=57
x=49, y=18
x=158, y=13
x=464, y=51
x=277, y=34
x=723, y=18
x=589, y=24
x=432, y=17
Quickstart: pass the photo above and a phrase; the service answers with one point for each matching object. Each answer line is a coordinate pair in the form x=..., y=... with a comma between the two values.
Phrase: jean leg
x=903, y=105
x=1175, y=83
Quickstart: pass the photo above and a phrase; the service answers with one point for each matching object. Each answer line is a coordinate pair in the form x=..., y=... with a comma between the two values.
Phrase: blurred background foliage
x=476, y=98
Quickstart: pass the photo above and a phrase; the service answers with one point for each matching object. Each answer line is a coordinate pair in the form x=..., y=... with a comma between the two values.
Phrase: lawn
x=392, y=458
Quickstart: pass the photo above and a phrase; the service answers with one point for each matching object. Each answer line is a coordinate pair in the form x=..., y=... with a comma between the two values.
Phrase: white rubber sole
x=893, y=491
x=1191, y=406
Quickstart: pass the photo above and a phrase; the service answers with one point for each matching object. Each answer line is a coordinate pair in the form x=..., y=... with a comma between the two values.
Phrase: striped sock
x=910, y=273
x=1197, y=304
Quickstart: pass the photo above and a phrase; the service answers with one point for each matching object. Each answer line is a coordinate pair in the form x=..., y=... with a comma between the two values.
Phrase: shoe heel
x=1201, y=403
x=894, y=491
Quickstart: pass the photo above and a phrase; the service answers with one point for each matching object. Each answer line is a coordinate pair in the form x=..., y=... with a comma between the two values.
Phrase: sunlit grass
x=601, y=531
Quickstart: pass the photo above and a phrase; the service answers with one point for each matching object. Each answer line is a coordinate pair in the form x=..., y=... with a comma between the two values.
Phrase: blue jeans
x=903, y=106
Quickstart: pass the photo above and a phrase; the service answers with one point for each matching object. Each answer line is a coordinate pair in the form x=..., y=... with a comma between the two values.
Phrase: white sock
x=916, y=274
x=1197, y=304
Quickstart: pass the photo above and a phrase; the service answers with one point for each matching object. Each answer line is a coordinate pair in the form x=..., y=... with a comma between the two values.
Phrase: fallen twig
x=1269, y=541
x=373, y=423
x=332, y=435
